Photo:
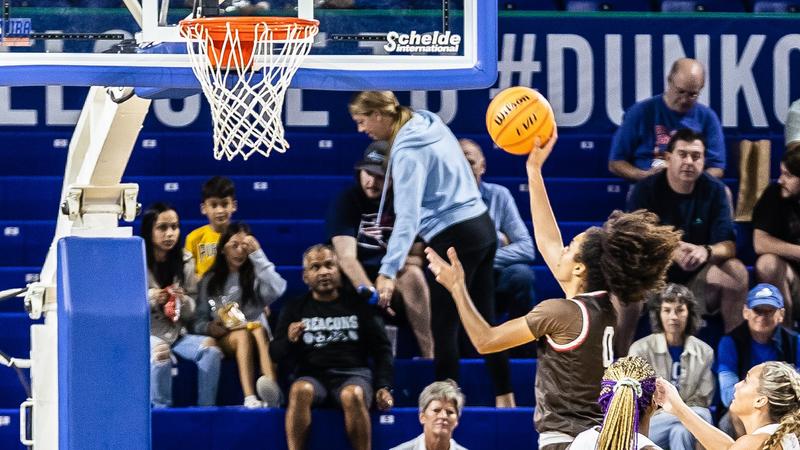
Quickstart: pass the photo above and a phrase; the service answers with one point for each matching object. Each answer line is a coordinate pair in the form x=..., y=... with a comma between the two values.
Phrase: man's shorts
x=328, y=385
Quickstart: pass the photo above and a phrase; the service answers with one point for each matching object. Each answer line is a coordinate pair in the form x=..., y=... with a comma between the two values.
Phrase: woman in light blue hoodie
x=435, y=197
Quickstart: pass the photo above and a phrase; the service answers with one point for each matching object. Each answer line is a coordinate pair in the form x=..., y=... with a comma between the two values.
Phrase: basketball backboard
x=362, y=44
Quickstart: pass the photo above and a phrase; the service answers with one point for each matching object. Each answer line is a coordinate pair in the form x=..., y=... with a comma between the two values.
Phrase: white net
x=245, y=82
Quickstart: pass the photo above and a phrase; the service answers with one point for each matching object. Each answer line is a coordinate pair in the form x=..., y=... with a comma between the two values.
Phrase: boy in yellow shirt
x=219, y=204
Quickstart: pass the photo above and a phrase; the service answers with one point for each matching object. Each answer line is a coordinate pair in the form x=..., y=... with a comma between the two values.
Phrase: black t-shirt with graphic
x=778, y=216
x=353, y=214
x=338, y=334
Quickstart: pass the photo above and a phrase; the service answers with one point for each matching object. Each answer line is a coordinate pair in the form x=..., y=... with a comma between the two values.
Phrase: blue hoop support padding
x=103, y=344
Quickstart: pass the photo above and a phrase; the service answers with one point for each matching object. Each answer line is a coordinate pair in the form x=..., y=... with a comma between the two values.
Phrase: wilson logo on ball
x=516, y=117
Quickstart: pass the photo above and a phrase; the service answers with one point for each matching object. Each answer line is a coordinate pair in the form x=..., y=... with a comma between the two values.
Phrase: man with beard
x=776, y=234
x=331, y=335
x=360, y=238
x=690, y=199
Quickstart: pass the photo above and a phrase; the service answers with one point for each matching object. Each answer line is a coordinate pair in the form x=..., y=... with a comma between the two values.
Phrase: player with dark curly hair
x=626, y=258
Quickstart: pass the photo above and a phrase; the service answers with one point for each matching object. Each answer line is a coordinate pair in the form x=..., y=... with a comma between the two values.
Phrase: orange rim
x=246, y=26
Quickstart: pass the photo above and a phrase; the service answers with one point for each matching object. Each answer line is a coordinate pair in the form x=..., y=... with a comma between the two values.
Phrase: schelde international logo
x=436, y=42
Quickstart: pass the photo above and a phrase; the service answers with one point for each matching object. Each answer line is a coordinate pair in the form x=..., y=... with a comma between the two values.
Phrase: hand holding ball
x=516, y=117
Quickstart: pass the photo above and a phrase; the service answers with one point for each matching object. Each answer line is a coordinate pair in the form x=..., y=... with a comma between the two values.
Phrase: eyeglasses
x=684, y=92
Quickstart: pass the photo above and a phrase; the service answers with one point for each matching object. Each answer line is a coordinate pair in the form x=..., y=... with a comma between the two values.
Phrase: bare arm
x=764, y=242
x=626, y=170
x=715, y=172
x=346, y=248
x=485, y=338
x=545, y=229
x=708, y=435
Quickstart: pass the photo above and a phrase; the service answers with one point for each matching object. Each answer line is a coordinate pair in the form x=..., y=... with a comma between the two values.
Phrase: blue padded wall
x=103, y=344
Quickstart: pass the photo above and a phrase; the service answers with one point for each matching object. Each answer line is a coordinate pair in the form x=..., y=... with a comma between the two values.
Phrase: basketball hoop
x=245, y=65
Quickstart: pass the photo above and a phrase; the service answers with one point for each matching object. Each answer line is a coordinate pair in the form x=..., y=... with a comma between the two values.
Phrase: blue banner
x=590, y=67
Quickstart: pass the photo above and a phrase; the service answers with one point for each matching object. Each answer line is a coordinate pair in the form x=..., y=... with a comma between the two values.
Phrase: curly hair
x=629, y=255
x=780, y=383
x=382, y=102
x=626, y=395
x=674, y=293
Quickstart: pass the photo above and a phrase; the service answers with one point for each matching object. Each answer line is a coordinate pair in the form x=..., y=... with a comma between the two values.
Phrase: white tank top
x=788, y=442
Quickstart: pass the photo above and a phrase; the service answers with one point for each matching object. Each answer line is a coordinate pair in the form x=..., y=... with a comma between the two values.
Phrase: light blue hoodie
x=433, y=185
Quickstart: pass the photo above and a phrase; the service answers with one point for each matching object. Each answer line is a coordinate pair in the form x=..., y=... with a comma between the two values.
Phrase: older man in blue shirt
x=514, y=289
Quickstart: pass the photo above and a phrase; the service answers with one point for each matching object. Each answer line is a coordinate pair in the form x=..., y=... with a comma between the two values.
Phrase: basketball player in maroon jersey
x=624, y=259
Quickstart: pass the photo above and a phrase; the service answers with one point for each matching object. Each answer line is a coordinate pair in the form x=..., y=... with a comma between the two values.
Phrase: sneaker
x=252, y=402
x=269, y=391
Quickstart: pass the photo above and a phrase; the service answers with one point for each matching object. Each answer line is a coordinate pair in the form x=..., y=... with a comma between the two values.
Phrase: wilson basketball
x=516, y=117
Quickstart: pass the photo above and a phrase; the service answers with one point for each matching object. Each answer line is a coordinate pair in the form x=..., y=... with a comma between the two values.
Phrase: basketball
x=517, y=116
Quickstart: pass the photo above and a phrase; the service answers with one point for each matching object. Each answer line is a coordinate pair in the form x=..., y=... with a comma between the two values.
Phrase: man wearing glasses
x=637, y=149
x=761, y=338
x=693, y=201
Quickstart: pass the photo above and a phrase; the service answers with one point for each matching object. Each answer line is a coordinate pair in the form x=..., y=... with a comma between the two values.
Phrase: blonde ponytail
x=626, y=394
x=384, y=103
x=780, y=383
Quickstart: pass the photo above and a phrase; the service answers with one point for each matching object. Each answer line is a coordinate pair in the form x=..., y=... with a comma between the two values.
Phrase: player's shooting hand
x=450, y=275
x=295, y=330
x=384, y=399
x=666, y=395
x=540, y=152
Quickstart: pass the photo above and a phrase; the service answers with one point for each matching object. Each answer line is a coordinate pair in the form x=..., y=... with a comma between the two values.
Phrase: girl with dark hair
x=680, y=358
x=233, y=304
x=625, y=258
x=171, y=285
x=767, y=402
x=626, y=400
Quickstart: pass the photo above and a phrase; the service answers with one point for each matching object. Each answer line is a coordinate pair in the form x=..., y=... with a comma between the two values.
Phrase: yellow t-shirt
x=202, y=244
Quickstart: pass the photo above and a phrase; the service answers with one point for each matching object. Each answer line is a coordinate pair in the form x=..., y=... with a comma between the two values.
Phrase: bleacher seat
x=608, y=5
x=702, y=6
x=240, y=429
x=772, y=6
x=528, y=5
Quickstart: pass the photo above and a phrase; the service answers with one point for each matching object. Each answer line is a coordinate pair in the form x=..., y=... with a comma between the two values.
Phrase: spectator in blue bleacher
x=218, y=205
x=617, y=263
x=776, y=232
x=435, y=197
x=761, y=338
x=440, y=406
x=767, y=400
x=639, y=145
x=233, y=306
x=513, y=275
x=330, y=334
x=679, y=357
x=359, y=239
x=696, y=203
x=171, y=284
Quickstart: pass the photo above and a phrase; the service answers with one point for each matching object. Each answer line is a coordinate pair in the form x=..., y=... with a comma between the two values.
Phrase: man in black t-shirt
x=696, y=203
x=360, y=237
x=331, y=335
x=776, y=234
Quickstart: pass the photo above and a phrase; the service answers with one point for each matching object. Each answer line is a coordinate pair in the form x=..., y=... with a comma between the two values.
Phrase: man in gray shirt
x=514, y=278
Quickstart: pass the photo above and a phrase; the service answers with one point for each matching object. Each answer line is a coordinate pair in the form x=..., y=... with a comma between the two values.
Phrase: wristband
x=368, y=293
x=708, y=250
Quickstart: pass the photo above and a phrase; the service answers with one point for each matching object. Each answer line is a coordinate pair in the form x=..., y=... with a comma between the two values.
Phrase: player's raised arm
x=545, y=228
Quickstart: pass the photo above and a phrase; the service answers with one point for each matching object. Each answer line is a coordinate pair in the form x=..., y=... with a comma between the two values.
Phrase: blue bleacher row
x=189, y=153
x=760, y=6
x=232, y=428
